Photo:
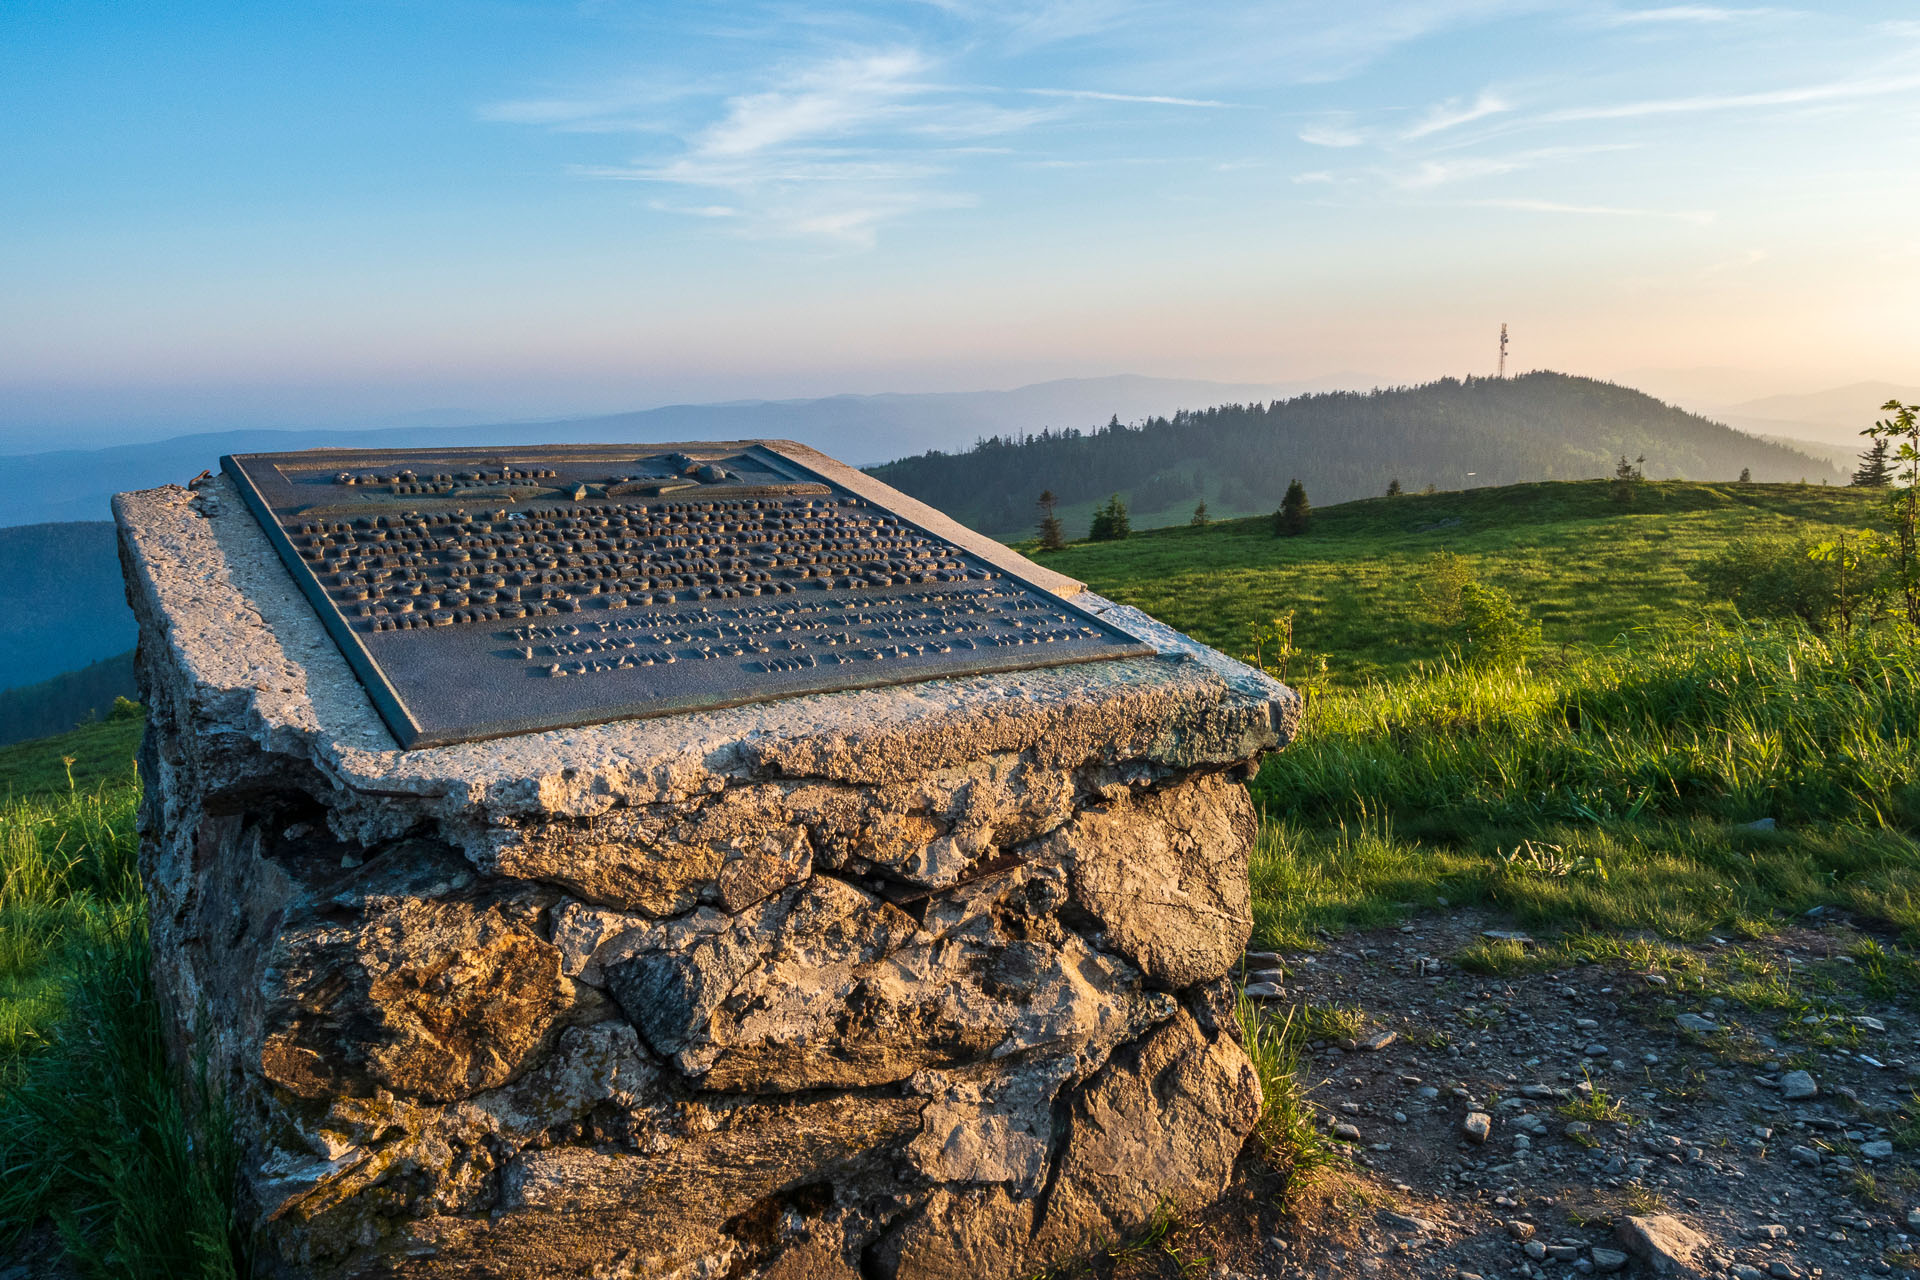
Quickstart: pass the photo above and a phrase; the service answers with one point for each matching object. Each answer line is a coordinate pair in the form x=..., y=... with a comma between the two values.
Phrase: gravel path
x=1733, y=1109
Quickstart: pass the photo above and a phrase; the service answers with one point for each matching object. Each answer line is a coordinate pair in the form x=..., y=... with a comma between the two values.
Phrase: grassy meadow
x=1653, y=769
x=1588, y=568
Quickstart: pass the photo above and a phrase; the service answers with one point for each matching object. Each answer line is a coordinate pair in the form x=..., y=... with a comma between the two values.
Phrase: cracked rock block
x=912, y=982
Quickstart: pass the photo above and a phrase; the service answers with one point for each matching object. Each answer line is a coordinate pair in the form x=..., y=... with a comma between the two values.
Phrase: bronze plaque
x=484, y=592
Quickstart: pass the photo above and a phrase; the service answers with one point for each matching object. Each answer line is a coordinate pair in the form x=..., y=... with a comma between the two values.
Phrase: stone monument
x=681, y=861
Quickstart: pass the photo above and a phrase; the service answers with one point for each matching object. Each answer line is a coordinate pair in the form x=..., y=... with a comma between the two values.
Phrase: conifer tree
x=1110, y=522
x=1393, y=487
x=1875, y=470
x=1626, y=477
x=1052, y=536
x=1746, y=475
x=1200, y=517
x=1295, y=512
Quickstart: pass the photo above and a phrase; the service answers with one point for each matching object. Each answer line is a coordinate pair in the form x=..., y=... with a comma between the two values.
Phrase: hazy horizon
x=450, y=213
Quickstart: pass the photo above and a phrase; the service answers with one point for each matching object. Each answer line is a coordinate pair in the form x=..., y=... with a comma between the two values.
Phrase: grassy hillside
x=65, y=606
x=1587, y=567
x=101, y=755
x=1342, y=446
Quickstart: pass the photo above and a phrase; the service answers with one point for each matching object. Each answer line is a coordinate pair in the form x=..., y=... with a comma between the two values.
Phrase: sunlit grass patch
x=1495, y=957
x=1886, y=971
x=1593, y=1104
x=1287, y=1136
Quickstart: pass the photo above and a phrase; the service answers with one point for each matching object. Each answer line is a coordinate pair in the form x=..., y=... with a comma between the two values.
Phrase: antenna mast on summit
x=1503, y=350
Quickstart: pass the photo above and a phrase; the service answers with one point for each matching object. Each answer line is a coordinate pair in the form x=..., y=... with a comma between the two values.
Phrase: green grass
x=68, y=884
x=101, y=753
x=1287, y=1137
x=1589, y=568
x=1613, y=791
x=92, y=1137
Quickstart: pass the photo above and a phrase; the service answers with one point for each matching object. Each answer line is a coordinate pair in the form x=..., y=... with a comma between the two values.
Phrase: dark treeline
x=1451, y=434
x=75, y=698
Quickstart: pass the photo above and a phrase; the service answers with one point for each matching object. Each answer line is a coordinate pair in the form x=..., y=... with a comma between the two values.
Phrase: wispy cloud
x=1091, y=95
x=1320, y=50
x=1696, y=217
x=1435, y=173
x=1452, y=114
x=1801, y=95
x=1330, y=134
x=830, y=150
x=833, y=99
x=1670, y=15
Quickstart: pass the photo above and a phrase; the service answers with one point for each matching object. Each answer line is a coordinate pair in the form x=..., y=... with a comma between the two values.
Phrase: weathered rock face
x=911, y=982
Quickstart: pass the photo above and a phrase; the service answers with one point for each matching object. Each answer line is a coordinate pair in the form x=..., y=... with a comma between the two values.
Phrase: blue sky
x=328, y=211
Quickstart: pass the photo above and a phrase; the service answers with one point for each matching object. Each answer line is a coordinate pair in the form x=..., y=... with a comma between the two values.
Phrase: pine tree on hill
x=1295, y=513
x=1200, y=517
x=1626, y=477
x=1052, y=535
x=1393, y=487
x=1875, y=470
x=1110, y=522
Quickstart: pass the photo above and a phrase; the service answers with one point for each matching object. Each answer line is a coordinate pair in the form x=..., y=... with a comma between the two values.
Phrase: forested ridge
x=1451, y=434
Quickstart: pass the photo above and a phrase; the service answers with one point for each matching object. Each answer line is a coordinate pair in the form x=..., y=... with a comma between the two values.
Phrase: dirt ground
x=1600, y=1102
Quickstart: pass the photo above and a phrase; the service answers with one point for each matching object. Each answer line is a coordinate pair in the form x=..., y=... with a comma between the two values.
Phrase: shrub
x=1494, y=630
x=1441, y=581
x=1110, y=522
x=1773, y=578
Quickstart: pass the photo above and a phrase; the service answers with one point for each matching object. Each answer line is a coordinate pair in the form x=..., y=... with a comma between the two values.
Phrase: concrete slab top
x=256, y=660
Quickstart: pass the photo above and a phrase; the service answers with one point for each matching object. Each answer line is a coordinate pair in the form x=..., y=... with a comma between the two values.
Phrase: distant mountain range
x=1833, y=417
x=1343, y=445
x=76, y=484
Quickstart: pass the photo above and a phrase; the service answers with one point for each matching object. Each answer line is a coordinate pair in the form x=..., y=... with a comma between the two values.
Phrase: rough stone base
x=916, y=982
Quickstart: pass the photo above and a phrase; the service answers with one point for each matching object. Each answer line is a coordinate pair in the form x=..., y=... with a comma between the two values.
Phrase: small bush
x=1442, y=580
x=1110, y=522
x=1771, y=578
x=1482, y=622
x=1494, y=630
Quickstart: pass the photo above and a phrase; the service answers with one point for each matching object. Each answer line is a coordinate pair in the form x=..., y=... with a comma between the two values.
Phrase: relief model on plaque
x=484, y=592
